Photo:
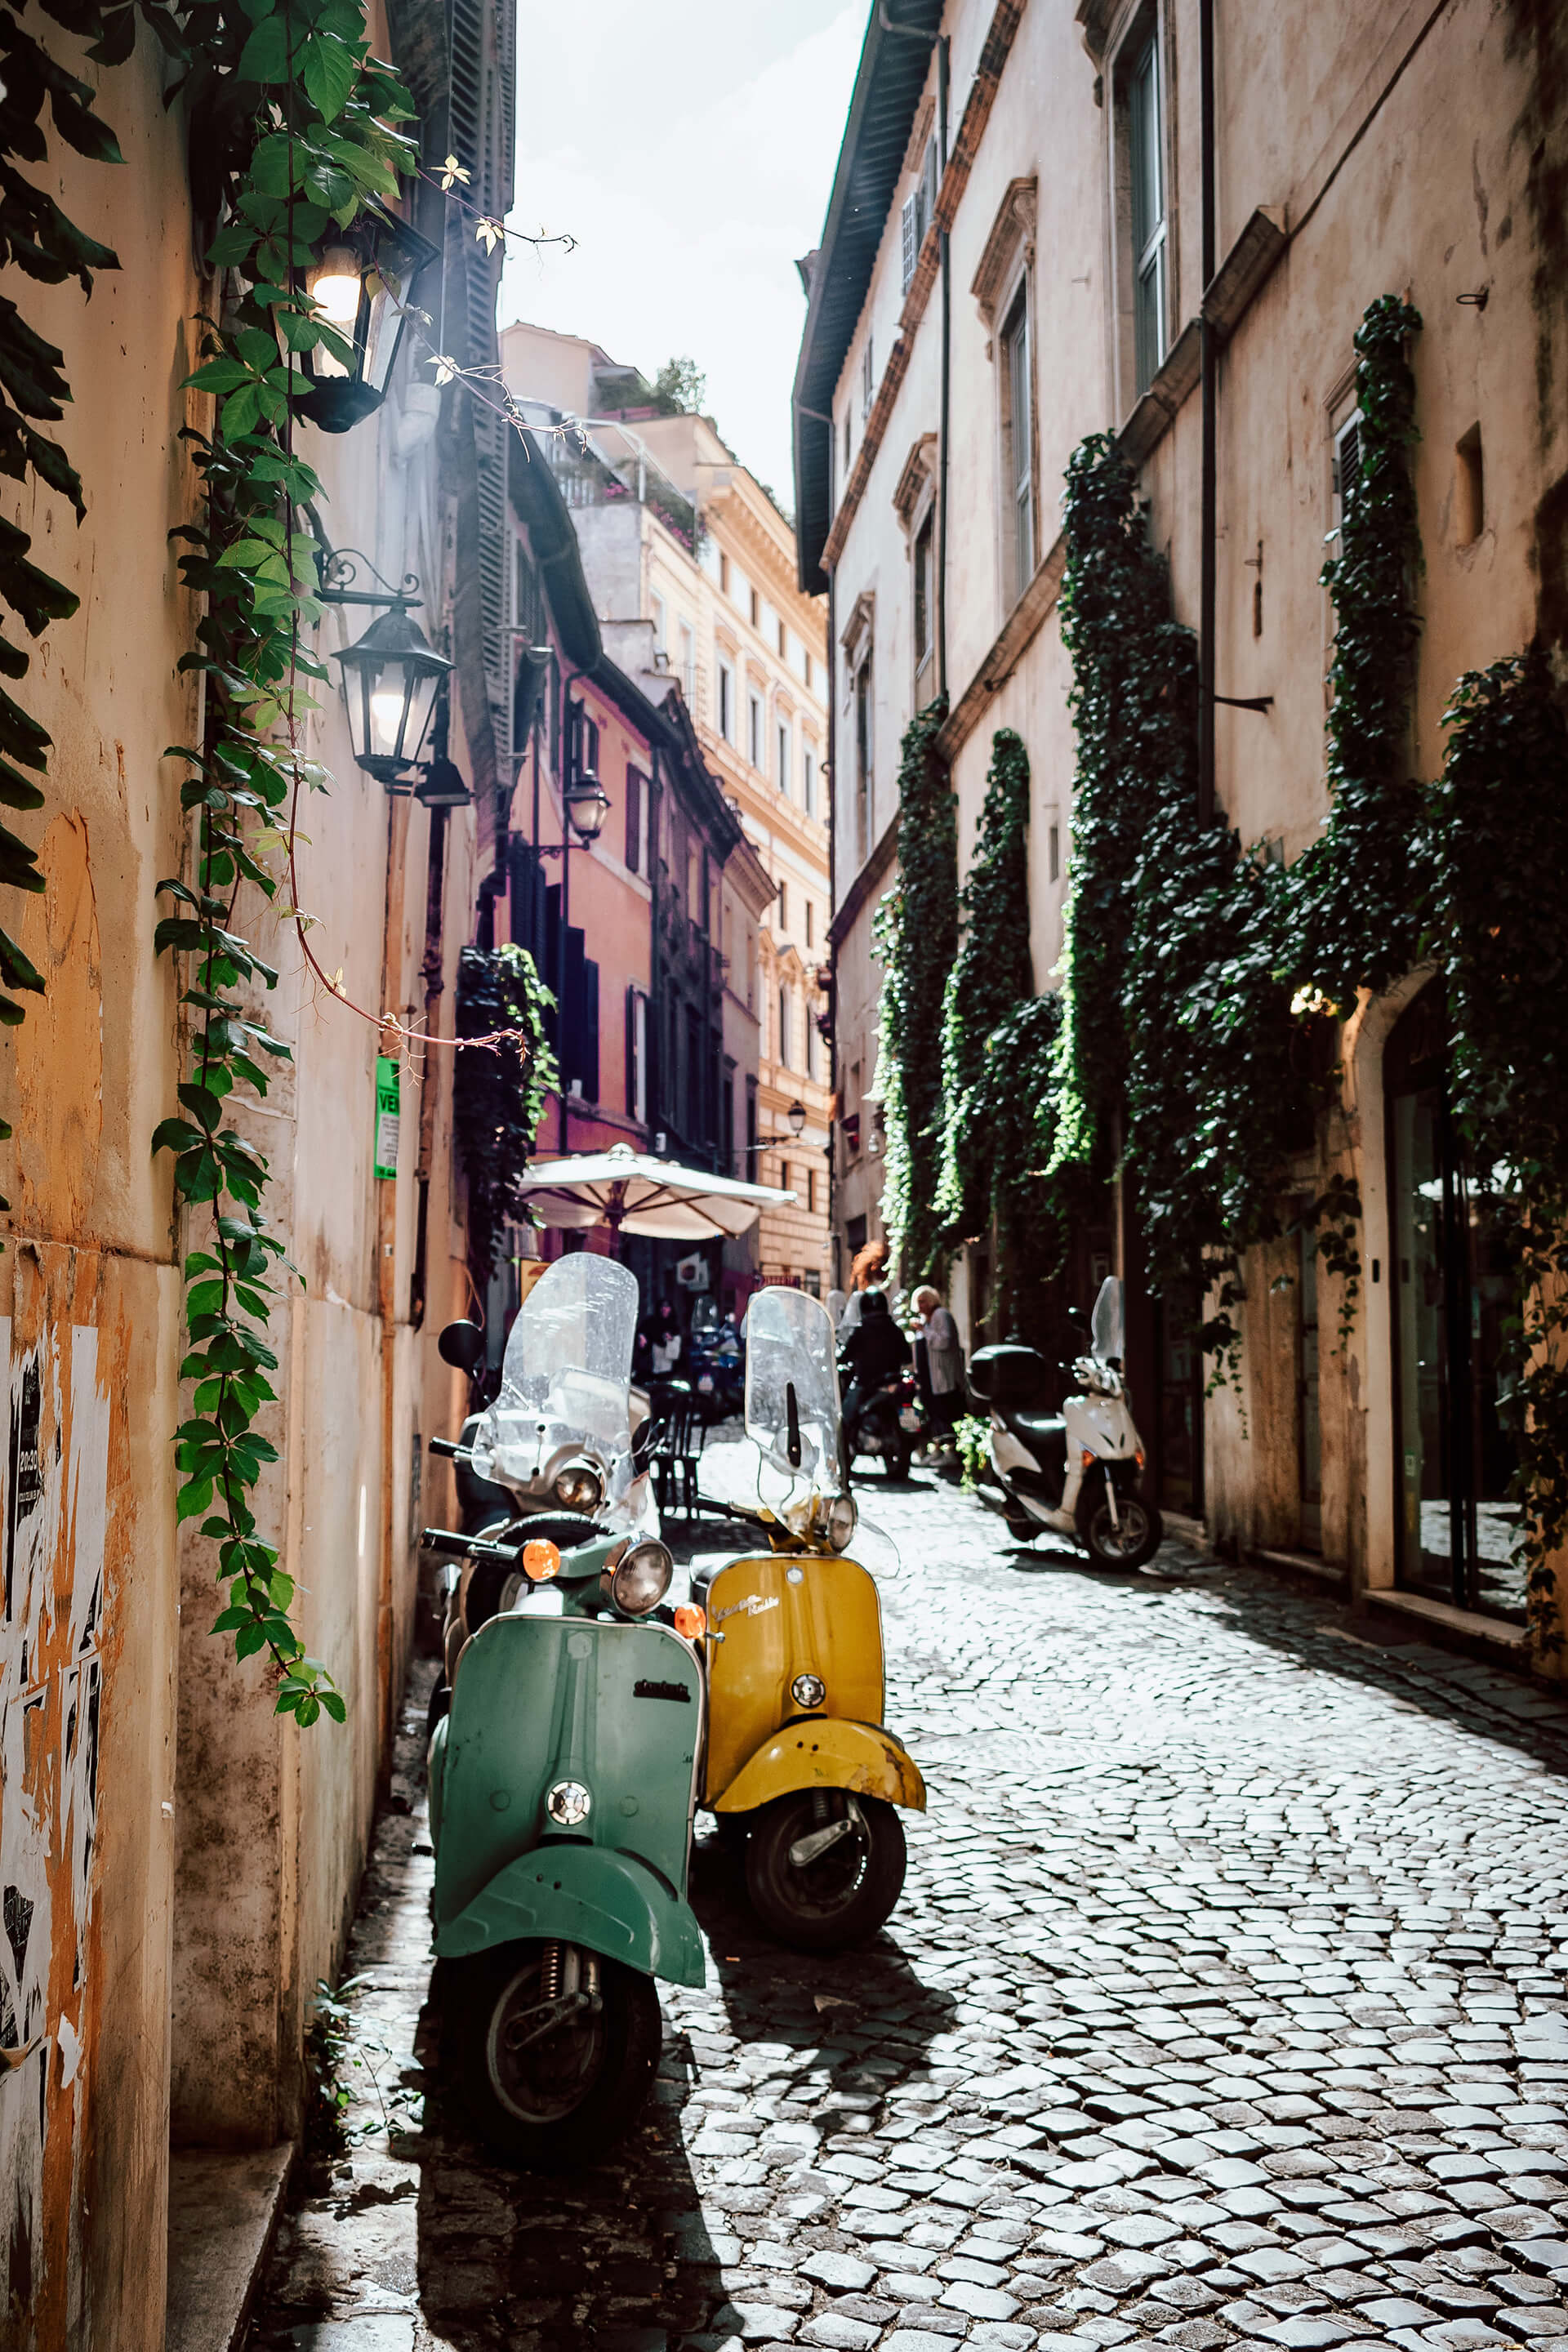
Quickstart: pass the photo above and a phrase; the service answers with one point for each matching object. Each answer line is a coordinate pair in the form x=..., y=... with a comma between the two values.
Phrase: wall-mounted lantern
x=390, y=680
x=796, y=1117
x=363, y=279
x=587, y=806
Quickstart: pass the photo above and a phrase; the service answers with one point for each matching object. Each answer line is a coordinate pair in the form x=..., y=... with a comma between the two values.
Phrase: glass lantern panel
x=386, y=689
x=385, y=290
x=421, y=703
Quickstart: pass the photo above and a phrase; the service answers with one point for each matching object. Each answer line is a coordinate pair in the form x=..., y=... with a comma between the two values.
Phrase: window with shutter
x=1147, y=160
x=633, y=821
x=909, y=230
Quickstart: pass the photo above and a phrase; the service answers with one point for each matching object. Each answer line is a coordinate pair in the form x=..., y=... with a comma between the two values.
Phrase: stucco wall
x=89, y=1296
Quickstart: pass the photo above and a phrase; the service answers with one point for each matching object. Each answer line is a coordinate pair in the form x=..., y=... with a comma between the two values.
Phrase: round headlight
x=641, y=1578
x=808, y=1690
x=841, y=1522
x=579, y=1488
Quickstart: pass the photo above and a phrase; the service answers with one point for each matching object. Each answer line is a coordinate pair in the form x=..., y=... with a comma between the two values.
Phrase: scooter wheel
x=846, y=1893
x=1131, y=1543
x=561, y=2102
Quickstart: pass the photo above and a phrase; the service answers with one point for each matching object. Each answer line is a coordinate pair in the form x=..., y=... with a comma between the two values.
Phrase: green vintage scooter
x=563, y=1781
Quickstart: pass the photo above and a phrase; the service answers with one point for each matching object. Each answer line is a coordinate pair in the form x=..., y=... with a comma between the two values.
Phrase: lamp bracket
x=341, y=570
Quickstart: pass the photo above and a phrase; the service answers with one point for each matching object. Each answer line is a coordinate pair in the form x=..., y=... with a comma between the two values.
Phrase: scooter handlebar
x=445, y=1539
x=451, y=1448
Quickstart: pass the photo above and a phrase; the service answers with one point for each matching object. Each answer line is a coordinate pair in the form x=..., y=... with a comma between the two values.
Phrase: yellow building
x=693, y=572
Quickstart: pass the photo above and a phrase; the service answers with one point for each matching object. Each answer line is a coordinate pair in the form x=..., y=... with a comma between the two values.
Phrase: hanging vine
x=916, y=937
x=1203, y=983
x=1498, y=849
x=991, y=975
x=295, y=122
x=498, y=1098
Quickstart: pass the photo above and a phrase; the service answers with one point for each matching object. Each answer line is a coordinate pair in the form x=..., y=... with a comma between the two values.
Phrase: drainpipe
x=1209, y=367
x=835, y=1065
x=946, y=376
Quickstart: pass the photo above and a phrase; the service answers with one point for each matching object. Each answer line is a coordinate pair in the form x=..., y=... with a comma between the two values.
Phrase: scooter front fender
x=825, y=1752
x=587, y=1895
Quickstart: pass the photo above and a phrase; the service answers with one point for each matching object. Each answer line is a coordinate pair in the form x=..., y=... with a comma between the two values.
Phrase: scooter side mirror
x=644, y=1440
x=461, y=1345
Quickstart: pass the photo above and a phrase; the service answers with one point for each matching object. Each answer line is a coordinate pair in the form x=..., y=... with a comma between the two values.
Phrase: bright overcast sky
x=688, y=145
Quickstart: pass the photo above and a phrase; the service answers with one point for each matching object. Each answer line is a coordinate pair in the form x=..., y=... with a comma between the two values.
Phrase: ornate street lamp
x=796, y=1117
x=587, y=806
x=390, y=679
x=361, y=281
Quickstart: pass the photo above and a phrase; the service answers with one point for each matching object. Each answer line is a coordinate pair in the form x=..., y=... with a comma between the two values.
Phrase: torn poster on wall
x=53, y=1510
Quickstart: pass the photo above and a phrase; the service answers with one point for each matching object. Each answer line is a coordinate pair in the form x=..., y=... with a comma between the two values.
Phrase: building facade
x=180, y=1860
x=692, y=565
x=1039, y=179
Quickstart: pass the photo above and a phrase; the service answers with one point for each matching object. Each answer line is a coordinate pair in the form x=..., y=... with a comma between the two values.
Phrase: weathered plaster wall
x=88, y=1296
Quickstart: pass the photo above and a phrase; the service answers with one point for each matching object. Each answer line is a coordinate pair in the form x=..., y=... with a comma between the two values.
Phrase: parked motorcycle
x=1079, y=1472
x=716, y=1366
x=798, y=1761
x=888, y=1425
x=563, y=1781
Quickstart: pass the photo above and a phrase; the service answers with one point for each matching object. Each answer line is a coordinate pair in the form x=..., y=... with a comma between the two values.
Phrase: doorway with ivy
x=1453, y=1292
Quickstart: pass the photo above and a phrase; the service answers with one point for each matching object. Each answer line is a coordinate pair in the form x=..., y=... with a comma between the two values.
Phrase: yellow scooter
x=798, y=1759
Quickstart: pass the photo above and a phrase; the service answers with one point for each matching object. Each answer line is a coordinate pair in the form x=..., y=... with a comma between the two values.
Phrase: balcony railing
x=600, y=463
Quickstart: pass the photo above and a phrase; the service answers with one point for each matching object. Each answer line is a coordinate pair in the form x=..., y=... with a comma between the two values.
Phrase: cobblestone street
x=1226, y=2005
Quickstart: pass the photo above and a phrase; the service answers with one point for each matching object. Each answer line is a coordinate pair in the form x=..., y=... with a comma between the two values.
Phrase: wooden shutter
x=633, y=821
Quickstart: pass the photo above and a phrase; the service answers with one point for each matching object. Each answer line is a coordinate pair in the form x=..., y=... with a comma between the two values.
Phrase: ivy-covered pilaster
x=991, y=975
x=916, y=935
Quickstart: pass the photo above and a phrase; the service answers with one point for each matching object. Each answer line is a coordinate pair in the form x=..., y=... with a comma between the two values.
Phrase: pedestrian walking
x=944, y=1363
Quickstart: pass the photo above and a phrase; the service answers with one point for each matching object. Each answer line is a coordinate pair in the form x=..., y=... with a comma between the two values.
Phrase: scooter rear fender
x=825, y=1752
x=587, y=1895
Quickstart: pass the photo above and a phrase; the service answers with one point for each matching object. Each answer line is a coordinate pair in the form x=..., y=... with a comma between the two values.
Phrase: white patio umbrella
x=632, y=1193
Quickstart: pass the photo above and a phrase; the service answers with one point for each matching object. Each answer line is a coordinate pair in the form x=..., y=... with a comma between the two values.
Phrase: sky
x=688, y=145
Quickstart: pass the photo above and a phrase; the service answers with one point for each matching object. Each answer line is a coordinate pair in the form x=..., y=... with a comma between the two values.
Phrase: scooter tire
x=478, y=1992
x=1133, y=1543
x=790, y=1908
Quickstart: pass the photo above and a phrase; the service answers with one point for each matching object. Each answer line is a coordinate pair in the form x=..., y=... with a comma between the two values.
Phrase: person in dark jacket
x=873, y=1351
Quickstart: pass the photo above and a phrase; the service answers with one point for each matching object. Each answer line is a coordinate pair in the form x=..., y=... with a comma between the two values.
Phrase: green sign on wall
x=388, y=1104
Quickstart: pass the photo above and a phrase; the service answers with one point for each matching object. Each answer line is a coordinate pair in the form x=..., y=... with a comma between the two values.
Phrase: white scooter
x=1078, y=1474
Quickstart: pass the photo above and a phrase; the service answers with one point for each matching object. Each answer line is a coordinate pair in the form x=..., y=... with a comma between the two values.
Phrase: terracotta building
x=692, y=570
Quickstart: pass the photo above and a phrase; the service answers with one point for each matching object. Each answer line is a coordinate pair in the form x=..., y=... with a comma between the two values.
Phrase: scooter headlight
x=579, y=1487
x=842, y=1517
x=640, y=1578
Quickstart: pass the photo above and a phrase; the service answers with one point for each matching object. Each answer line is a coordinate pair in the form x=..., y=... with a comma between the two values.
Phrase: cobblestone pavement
x=1226, y=2005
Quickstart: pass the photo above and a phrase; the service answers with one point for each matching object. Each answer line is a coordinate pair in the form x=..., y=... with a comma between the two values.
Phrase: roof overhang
x=894, y=62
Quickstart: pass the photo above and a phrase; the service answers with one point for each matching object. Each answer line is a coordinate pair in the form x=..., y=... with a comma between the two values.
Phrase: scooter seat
x=1046, y=1435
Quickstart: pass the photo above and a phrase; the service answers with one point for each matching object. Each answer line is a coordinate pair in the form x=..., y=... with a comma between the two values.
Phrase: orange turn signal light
x=690, y=1621
x=1138, y=1456
x=541, y=1559
x=1087, y=1458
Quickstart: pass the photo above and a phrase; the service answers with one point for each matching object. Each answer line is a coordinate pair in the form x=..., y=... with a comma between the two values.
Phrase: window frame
x=808, y=778
x=863, y=694
x=756, y=721
x=1142, y=42
x=783, y=747
x=1015, y=375
x=726, y=698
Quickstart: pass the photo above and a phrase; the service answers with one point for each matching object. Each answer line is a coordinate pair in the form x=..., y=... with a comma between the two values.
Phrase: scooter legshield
x=617, y=1710
x=780, y=1617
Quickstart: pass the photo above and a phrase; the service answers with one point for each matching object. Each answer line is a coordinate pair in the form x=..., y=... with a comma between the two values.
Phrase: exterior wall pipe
x=941, y=70
x=1209, y=360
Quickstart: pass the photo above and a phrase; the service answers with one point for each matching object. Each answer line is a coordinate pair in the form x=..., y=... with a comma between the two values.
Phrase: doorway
x=1309, y=1422
x=1452, y=1291
x=1181, y=1423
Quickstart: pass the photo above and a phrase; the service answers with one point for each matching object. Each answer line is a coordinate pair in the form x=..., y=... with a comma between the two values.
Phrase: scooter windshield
x=791, y=1388
x=1107, y=1332
x=566, y=1379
